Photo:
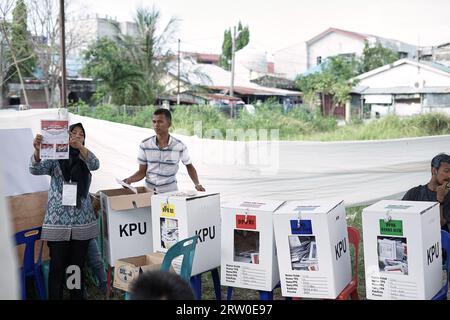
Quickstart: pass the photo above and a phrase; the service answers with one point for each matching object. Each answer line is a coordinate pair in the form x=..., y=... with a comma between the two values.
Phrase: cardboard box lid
x=184, y=195
x=139, y=261
x=400, y=207
x=253, y=204
x=125, y=199
x=315, y=207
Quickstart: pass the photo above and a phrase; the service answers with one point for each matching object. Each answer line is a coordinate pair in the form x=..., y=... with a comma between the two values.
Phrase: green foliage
x=149, y=51
x=298, y=124
x=20, y=42
x=225, y=57
x=390, y=127
x=337, y=74
x=241, y=41
x=116, y=76
x=375, y=57
x=334, y=79
x=129, y=70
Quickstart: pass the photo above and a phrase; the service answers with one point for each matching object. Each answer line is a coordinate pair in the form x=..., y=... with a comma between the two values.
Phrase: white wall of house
x=333, y=44
x=290, y=62
x=406, y=75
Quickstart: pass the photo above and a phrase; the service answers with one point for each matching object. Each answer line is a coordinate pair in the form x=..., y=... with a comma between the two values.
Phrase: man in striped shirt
x=159, y=156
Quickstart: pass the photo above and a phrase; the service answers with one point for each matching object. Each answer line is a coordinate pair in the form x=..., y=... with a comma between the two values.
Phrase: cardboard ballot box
x=128, y=269
x=248, y=245
x=402, y=250
x=179, y=215
x=127, y=223
x=313, y=248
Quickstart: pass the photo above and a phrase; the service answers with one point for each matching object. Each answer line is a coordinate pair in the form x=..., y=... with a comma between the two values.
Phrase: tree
x=242, y=40
x=44, y=21
x=150, y=51
x=377, y=56
x=20, y=41
x=119, y=81
x=334, y=79
x=8, y=52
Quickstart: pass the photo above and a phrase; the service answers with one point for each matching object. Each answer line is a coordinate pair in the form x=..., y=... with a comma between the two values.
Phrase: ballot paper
x=55, y=142
x=126, y=185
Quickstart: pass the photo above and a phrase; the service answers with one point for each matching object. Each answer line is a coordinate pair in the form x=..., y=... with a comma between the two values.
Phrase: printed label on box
x=301, y=227
x=245, y=222
x=168, y=210
x=391, y=228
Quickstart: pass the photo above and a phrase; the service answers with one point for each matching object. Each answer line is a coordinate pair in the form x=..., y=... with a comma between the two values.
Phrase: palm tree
x=150, y=50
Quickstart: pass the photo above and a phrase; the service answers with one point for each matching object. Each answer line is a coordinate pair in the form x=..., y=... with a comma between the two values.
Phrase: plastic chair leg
x=39, y=282
x=354, y=295
x=216, y=282
x=45, y=270
x=229, y=293
x=108, y=285
x=196, y=284
x=23, y=286
x=266, y=295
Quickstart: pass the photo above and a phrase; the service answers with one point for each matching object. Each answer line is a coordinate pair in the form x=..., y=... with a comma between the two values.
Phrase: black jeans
x=62, y=255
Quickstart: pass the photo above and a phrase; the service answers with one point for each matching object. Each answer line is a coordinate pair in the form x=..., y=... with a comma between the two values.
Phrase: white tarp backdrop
x=358, y=172
x=16, y=154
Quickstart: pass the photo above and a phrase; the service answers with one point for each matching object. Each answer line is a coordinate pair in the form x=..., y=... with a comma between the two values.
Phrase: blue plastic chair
x=186, y=248
x=31, y=268
x=445, y=241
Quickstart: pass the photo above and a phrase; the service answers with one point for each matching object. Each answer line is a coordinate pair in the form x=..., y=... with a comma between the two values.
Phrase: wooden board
x=27, y=211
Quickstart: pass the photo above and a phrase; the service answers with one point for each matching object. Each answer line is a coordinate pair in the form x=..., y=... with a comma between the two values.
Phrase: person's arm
x=441, y=192
x=138, y=175
x=443, y=220
x=36, y=166
x=194, y=177
x=87, y=156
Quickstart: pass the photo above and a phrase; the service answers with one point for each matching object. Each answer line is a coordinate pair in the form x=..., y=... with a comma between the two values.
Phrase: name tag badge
x=69, y=196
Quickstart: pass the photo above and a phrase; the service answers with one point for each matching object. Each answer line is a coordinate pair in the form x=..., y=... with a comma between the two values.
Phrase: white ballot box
x=127, y=223
x=402, y=250
x=179, y=215
x=248, y=246
x=313, y=248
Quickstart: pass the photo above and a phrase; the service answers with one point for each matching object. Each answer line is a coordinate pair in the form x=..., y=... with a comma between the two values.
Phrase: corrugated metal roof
x=399, y=90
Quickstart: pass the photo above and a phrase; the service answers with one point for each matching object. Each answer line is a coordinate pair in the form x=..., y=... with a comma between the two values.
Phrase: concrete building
x=405, y=87
x=335, y=41
x=91, y=28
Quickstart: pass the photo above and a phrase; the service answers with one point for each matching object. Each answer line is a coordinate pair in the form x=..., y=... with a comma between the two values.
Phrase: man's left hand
x=441, y=192
x=199, y=187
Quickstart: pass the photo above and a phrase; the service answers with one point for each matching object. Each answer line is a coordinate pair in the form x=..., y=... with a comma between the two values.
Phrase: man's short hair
x=165, y=112
x=437, y=160
x=160, y=285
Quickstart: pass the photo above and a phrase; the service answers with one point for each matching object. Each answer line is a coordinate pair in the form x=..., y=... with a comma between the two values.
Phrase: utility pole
x=233, y=48
x=178, y=89
x=63, y=54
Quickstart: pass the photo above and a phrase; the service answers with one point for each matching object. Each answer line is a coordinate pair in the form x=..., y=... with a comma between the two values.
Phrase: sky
x=279, y=24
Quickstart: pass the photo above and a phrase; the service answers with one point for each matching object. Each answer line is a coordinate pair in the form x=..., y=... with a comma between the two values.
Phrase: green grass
x=298, y=124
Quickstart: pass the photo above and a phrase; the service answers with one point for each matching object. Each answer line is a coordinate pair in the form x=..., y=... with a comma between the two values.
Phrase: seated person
x=436, y=189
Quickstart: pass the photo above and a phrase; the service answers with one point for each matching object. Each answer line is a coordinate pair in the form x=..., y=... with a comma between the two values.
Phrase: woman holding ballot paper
x=69, y=222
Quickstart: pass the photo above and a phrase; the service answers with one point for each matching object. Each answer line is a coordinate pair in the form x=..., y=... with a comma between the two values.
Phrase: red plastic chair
x=351, y=290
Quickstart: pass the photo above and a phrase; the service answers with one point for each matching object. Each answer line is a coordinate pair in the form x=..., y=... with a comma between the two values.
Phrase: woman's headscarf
x=75, y=170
